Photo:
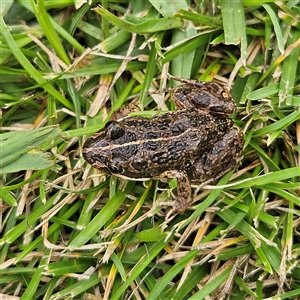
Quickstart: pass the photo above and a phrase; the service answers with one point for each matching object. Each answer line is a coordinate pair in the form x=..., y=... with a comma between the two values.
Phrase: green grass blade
x=154, y=249
x=7, y=197
x=279, y=125
x=159, y=288
x=289, y=71
x=144, y=25
x=277, y=27
x=45, y=22
x=182, y=65
x=98, y=222
x=198, y=18
x=169, y=8
x=234, y=25
x=218, y=279
x=28, y=66
x=33, y=284
x=268, y=178
x=5, y=6
x=17, y=143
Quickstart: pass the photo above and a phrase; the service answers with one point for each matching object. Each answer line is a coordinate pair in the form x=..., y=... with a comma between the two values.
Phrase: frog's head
x=110, y=149
x=94, y=151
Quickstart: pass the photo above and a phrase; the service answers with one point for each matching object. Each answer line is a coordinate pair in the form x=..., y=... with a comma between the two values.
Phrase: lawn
x=70, y=231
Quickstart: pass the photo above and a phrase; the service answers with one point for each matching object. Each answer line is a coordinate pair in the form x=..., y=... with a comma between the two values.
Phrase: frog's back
x=174, y=123
x=173, y=140
x=140, y=148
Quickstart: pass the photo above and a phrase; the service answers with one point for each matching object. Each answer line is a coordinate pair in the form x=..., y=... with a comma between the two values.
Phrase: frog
x=197, y=142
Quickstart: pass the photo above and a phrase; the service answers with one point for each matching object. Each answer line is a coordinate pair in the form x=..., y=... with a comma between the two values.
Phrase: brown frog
x=196, y=142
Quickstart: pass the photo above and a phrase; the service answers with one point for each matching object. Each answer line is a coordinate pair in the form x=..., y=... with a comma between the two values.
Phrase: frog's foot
x=178, y=205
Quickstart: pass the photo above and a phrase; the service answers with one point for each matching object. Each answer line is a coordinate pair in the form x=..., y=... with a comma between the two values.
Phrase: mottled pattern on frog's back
x=139, y=147
x=172, y=123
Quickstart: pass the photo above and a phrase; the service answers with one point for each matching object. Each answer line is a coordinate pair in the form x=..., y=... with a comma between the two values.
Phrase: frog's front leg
x=222, y=158
x=184, y=193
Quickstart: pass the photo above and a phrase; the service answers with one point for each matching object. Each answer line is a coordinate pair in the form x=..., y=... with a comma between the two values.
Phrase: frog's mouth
x=94, y=160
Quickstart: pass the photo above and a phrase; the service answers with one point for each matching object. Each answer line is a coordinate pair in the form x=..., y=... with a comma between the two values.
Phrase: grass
x=70, y=232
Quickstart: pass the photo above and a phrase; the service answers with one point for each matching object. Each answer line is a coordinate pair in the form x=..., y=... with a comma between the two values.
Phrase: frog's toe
x=178, y=206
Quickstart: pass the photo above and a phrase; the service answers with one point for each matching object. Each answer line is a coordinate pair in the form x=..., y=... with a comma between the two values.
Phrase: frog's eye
x=114, y=169
x=116, y=132
x=108, y=123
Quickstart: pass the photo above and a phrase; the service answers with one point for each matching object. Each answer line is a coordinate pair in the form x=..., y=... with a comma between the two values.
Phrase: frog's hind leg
x=123, y=112
x=222, y=158
x=184, y=193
